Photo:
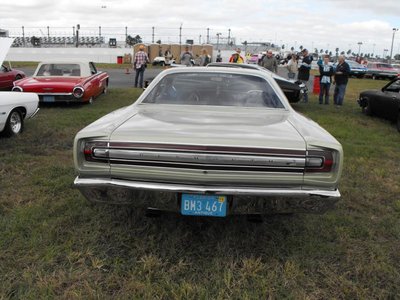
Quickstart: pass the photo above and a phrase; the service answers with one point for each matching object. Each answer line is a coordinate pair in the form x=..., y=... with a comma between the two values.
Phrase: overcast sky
x=313, y=24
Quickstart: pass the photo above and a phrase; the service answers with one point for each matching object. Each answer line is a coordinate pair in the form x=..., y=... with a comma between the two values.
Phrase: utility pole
x=48, y=31
x=229, y=36
x=23, y=35
x=359, y=47
x=77, y=35
x=99, y=32
x=208, y=35
x=152, y=35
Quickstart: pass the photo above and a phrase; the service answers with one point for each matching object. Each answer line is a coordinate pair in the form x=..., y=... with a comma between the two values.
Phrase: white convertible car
x=210, y=142
x=14, y=107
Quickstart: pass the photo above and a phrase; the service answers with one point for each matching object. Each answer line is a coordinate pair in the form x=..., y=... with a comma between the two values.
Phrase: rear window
x=218, y=89
x=59, y=70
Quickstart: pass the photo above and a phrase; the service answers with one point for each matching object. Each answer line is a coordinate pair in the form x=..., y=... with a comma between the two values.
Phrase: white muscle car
x=14, y=107
x=210, y=142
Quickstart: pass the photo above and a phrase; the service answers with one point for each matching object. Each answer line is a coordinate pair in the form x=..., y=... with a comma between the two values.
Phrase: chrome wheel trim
x=15, y=122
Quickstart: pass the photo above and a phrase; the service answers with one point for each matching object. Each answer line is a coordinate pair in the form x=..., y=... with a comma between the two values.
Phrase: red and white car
x=8, y=76
x=15, y=108
x=65, y=81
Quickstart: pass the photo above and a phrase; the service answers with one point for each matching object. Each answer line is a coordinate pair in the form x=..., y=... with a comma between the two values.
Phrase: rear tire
x=14, y=124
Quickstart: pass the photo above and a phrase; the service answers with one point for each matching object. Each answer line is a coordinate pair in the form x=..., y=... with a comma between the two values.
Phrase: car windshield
x=59, y=70
x=219, y=89
x=394, y=86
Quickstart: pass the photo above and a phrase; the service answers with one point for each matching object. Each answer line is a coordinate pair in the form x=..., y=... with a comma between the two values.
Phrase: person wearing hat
x=139, y=65
x=304, y=71
x=236, y=57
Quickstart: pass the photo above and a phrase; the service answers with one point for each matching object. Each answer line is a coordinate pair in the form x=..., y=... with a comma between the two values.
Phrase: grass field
x=54, y=244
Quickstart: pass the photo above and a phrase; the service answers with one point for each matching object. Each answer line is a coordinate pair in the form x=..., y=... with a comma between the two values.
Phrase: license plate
x=203, y=205
x=48, y=99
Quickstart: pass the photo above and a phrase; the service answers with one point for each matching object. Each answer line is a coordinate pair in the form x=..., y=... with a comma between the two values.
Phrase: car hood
x=48, y=84
x=210, y=125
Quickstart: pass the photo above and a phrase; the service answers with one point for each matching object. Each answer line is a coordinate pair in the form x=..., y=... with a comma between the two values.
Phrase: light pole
x=391, y=49
x=373, y=49
x=218, y=34
x=359, y=47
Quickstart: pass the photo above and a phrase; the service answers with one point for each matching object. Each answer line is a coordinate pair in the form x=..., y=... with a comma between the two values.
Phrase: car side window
x=92, y=68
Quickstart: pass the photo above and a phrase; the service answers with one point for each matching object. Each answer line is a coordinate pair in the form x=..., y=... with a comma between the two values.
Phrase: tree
x=283, y=47
x=348, y=52
x=330, y=53
x=326, y=51
x=301, y=48
x=292, y=48
x=321, y=51
x=133, y=40
x=316, y=50
x=159, y=42
x=397, y=57
x=342, y=53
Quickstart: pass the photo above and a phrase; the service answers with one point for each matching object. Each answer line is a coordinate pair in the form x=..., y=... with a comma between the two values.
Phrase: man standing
x=326, y=72
x=341, y=78
x=186, y=57
x=139, y=65
x=304, y=71
x=269, y=62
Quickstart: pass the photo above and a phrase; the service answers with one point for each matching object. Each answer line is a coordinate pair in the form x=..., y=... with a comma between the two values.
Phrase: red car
x=65, y=81
x=8, y=76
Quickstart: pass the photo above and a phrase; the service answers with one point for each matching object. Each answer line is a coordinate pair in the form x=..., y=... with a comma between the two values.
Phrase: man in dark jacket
x=341, y=78
x=304, y=70
x=326, y=72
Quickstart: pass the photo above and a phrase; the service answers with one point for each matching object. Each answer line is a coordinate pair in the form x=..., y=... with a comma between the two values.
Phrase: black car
x=384, y=103
x=292, y=89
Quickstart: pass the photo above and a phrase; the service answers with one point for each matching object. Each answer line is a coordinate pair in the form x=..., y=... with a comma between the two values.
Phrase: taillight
x=78, y=92
x=96, y=151
x=319, y=161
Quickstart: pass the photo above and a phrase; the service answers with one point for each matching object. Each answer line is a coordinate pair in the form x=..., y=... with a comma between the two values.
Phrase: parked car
x=210, y=141
x=162, y=61
x=65, y=81
x=253, y=59
x=378, y=70
x=384, y=103
x=356, y=69
x=8, y=75
x=293, y=90
x=14, y=108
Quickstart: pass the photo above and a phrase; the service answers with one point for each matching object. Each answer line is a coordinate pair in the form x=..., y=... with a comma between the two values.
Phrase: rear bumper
x=242, y=200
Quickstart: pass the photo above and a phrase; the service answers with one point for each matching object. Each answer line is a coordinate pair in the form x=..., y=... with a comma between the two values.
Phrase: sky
x=323, y=24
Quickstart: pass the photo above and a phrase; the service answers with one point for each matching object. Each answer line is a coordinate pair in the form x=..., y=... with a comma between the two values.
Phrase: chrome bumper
x=242, y=199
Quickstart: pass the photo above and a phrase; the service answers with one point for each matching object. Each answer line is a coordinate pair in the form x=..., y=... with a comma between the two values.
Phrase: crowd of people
x=296, y=64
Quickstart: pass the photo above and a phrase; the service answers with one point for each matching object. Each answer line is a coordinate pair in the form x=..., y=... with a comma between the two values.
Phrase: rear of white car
x=210, y=160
